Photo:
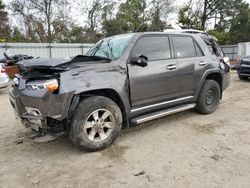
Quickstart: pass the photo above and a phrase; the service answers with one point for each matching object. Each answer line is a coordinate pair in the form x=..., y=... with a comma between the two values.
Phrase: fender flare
x=122, y=98
x=203, y=79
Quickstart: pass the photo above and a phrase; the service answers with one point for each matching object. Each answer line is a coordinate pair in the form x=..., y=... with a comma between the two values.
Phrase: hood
x=55, y=62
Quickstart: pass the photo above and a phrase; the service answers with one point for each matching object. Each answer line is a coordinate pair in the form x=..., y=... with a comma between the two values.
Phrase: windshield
x=112, y=47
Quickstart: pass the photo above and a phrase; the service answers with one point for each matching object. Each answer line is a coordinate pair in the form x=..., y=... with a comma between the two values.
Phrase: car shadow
x=65, y=146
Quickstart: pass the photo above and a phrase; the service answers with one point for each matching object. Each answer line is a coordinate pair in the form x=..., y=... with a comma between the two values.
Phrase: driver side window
x=153, y=47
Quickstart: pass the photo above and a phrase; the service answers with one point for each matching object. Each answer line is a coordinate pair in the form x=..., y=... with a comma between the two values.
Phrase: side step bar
x=162, y=113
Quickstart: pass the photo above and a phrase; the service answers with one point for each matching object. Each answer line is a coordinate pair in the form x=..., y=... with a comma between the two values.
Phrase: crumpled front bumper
x=34, y=108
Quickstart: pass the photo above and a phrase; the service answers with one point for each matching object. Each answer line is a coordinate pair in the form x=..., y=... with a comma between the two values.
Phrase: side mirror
x=140, y=60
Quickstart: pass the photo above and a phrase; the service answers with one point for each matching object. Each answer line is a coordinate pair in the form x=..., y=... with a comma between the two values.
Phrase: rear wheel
x=209, y=97
x=96, y=123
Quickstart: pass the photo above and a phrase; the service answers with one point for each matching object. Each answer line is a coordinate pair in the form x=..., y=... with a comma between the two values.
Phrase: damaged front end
x=38, y=100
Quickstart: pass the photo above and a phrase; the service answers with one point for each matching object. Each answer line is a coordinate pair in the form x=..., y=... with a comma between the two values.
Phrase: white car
x=4, y=78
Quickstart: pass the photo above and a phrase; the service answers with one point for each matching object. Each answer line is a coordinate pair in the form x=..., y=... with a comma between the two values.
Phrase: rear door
x=157, y=81
x=191, y=63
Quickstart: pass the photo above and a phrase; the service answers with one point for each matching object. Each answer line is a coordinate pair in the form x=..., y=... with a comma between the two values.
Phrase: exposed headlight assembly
x=51, y=85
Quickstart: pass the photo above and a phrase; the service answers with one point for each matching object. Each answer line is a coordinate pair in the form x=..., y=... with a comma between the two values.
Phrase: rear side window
x=154, y=47
x=184, y=47
x=198, y=50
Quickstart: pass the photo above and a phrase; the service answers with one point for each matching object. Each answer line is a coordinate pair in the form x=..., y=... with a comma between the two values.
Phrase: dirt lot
x=183, y=150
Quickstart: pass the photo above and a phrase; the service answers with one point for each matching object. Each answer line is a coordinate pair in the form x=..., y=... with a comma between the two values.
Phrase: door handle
x=171, y=67
x=203, y=63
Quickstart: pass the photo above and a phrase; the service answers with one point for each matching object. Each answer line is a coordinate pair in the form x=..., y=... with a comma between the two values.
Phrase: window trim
x=154, y=35
x=182, y=35
x=196, y=44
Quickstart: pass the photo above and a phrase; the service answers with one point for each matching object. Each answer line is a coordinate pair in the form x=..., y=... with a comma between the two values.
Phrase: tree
x=17, y=36
x=156, y=23
x=5, y=29
x=98, y=13
x=223, y=37
x=133, y=15
x=139, y=16
x=38, y=16
x=160, y=11
x=240, y=24
x=188, y=18
x=218, y=10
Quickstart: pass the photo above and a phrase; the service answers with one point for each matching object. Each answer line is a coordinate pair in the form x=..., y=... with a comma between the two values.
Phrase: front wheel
x=96, y=123
x=209, y=97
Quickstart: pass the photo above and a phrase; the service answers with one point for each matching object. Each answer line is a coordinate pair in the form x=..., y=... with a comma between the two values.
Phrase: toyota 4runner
x=122, y=80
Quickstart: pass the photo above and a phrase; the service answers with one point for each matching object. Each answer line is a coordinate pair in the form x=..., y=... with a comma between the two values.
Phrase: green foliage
x=223, y=37
x=232, y=19
x=132, y=17
x=156, y=23
x=108, y=17
x=188, y=18
x=5, y=29
x=17, y=36
x=240, y=25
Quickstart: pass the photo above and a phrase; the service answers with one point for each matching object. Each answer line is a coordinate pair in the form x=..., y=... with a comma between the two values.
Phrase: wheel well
x=111, y=94
x=216, y=77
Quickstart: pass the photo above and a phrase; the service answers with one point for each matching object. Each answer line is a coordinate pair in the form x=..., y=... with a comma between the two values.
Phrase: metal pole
x=6, y=47
x=50, y=50
x=233, y=52
x=82, y=49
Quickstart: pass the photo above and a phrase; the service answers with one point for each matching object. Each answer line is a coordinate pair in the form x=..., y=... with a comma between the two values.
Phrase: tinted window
x=199, y=52
x=154, y=47
x=184, y=46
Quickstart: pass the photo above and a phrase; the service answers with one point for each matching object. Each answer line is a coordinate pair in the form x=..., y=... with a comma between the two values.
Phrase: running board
x=162, y=113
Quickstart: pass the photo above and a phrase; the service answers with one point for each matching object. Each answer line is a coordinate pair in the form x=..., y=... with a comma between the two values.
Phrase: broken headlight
x=51, y=85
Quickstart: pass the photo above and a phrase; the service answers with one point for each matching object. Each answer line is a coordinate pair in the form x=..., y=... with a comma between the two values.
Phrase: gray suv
x=122, y=80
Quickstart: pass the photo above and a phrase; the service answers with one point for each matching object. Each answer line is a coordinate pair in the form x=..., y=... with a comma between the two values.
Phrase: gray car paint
x=133, y=84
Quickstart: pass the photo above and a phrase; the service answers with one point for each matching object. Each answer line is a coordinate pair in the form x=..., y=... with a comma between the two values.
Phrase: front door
x=156, y=82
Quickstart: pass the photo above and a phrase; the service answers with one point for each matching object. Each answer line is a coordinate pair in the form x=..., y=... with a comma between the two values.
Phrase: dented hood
x=55, y=62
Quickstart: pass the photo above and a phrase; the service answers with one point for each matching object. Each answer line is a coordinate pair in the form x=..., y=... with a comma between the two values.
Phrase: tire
x=209, y=97
x=96, y=123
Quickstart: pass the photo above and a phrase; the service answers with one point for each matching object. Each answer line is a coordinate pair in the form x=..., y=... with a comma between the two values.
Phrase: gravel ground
x=182, y=150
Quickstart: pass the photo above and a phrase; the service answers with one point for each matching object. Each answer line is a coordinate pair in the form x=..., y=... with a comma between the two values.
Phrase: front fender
x=90, y=82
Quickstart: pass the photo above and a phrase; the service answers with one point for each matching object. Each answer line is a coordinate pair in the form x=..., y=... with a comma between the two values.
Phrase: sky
x=79, y=18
